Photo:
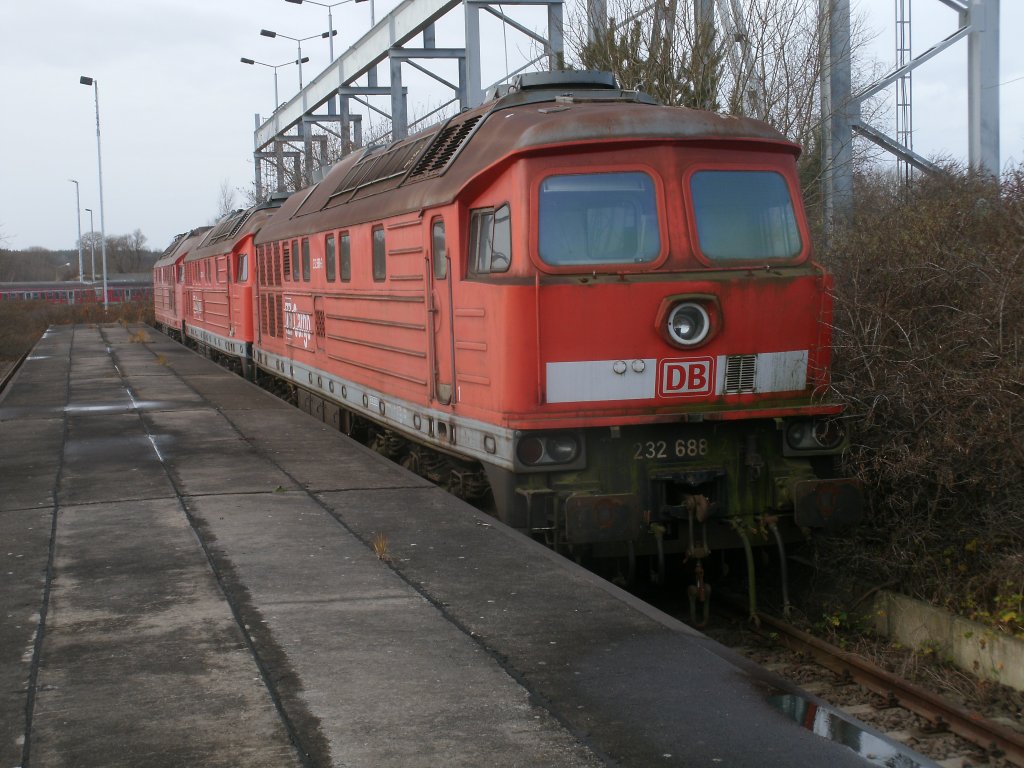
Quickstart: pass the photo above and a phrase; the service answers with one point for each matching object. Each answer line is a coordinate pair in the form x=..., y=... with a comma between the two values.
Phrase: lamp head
x=85, y=80
x=268, y=33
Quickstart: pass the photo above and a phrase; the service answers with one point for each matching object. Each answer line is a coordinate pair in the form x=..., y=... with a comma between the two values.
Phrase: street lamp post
x=300, y=41
x=84, y=80
x=275, y=67
x=78, y=221
x=92, y=245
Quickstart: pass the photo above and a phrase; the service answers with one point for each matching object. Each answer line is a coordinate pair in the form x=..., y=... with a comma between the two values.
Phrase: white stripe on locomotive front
x=590, y=381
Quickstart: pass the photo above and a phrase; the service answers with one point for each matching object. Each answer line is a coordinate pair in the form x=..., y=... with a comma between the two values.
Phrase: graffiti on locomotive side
x=298, y=325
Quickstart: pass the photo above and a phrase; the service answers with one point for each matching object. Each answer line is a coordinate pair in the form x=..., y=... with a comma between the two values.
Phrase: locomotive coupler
x=698, y=510
x=699, y=592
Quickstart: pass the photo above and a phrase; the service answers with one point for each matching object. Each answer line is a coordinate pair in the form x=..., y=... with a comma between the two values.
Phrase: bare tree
x=227, y=200
x=677, y=58
x=126, y=253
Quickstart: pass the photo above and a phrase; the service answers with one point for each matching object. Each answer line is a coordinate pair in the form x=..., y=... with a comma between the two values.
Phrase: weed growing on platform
x=380, y=546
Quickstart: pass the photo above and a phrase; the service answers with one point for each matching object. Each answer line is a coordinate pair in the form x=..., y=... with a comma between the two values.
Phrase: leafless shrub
x=23, y=322
x=929, y=358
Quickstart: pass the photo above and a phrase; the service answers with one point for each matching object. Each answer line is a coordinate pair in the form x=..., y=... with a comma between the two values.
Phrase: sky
x=177, y=106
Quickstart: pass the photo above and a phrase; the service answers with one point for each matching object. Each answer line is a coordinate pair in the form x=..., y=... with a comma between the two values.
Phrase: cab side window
x=490, y=240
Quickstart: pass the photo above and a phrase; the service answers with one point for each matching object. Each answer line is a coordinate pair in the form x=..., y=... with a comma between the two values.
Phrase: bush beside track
x=23, y=322
x=929, y=360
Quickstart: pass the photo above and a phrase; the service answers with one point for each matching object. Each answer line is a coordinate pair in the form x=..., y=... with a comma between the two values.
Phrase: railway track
x=8, y=368
x=930, y=723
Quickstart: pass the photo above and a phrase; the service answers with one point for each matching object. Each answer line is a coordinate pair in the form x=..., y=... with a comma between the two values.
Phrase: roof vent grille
x=446, y=145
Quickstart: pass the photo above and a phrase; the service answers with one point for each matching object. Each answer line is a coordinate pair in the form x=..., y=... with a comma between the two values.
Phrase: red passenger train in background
x=121, y=289
x=600, y=311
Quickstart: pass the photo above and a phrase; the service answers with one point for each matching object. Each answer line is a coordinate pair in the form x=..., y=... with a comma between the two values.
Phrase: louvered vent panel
x=740, y=374
x=280, y=316
x=321, y=323
x=381, y=165
x=443, y=150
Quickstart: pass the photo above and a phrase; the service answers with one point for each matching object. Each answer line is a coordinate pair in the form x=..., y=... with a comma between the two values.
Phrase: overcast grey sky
x=177, y=106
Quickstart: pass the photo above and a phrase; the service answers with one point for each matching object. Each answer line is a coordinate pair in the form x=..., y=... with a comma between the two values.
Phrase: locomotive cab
x=662, y=344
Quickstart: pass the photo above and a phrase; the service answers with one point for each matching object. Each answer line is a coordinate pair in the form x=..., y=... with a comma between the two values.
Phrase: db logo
x=686, y=377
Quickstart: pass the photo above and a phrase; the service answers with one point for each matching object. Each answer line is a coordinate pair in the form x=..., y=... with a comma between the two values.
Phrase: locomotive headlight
x=688, y=324
x=814, y=436
x=563, y=448
x=828, y=433
x=798, y=435
x=530, y=450
x=546, y=450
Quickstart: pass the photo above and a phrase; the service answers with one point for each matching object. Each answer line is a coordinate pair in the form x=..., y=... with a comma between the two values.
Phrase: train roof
x=537, y=111
x=233, y=227
x=180, y=246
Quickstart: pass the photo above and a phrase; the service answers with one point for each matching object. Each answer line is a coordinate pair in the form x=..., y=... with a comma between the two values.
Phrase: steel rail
x=940, y=712
x=9, y=373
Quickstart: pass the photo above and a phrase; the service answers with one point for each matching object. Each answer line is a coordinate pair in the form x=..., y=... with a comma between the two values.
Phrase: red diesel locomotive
x=169, y=282
x=600, y=310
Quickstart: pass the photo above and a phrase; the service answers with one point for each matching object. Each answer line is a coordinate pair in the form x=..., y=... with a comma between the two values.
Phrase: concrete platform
x=189, y=578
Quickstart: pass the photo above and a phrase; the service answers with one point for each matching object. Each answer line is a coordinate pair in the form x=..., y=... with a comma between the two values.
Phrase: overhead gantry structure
x=841, y=105
x=293, y=142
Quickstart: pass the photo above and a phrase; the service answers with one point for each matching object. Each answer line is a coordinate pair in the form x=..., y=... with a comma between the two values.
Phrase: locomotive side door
x=442, y=343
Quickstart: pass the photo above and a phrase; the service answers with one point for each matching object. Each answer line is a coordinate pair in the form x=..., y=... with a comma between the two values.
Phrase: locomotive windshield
x=598, y=218
x=744, y=216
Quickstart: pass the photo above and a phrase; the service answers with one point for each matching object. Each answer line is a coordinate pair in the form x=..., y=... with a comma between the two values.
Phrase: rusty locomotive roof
x=538, y=112
x=221, y=238
x=180, y=246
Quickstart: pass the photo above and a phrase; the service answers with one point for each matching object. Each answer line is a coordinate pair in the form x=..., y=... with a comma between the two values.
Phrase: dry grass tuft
x=380, y=546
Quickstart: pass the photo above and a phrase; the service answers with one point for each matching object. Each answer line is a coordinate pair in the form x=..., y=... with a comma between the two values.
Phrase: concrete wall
x=984, y=651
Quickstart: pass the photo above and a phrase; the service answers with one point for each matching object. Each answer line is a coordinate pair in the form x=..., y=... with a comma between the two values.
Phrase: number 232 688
x=665, y=449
